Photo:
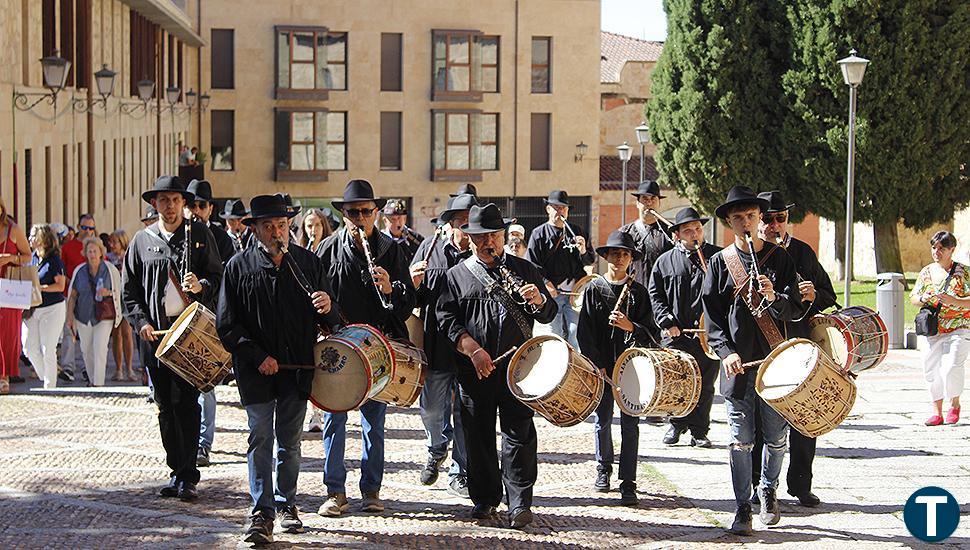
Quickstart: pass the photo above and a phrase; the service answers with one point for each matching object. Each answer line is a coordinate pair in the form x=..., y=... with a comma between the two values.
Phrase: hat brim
x=771, y=210
x=147, y=196
x=601, y=251
x=722, y=211
x=251, y=220
x=638, y=195
x=479, y=230
x=676, y=226
x=225, y=216
x=379, y=202
x=556, y=203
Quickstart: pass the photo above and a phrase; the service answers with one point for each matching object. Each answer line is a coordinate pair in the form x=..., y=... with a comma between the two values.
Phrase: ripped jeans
x=741, y=420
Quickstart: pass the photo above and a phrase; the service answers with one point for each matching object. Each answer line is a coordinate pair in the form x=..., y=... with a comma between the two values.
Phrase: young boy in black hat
x=675, y=294
x=743, y=313
x=605, y=331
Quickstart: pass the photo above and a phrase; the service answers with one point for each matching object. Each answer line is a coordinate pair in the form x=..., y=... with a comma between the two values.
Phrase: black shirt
x=409, y=240
x=598, y=340
x=675, y=286
x=548, y=251
x=444, y=256
x=807, y=265
x=223, y=242
x=48, y=268
x=651, y=243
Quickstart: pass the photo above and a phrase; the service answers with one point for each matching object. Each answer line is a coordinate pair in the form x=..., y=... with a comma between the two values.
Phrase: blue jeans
x=565, y=322
x=289, y=412
x=372, y=455
x=629, y=439
x=207, y=430
x=440, y=403
x=741, y=419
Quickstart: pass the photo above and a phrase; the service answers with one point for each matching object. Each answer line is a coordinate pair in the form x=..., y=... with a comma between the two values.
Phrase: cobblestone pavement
x=81, y=468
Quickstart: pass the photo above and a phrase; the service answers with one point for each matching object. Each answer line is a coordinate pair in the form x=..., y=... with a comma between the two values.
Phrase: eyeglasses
x=88, y=227
x=355, y=212
x=779, y=218
x=200, y=204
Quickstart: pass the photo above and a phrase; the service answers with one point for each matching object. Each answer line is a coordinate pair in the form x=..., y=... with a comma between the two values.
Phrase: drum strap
x=497, y=291
x=768, y=327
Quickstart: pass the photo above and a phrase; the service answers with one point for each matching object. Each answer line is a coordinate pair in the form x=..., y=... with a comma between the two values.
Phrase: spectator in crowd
x=516, y=247
x=945, y=284
x=314, y=229
x=14, y=250
x=44, y=322
x=150, y=217
x=73, y=256
x=185, y=156
x=94, y=281
x=122, y=337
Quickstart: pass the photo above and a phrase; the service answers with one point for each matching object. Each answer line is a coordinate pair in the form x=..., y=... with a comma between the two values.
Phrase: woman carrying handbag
x=14, y=250
x=94, y=307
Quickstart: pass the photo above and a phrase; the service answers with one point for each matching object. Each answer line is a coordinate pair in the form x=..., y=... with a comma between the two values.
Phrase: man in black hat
x=150, y=217
x=380, y=295
x=201, y=207
x=817, y=293
x=606, y=329
x=439, y=398
x=465, y=189
x=273, y=298
x=648, y=231
x=157, y=287
x=483, y=319
x=744, y=313
x=396, y=227
x=675, y=292
x=559, y=249
x=233, y=213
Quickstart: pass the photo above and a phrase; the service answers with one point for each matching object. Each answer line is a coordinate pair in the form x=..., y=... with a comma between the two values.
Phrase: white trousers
x=94, y=348
x=43, y=328
x=943, y=365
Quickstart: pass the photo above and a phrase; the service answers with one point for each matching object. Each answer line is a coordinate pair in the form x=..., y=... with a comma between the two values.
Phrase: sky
x=638, y=18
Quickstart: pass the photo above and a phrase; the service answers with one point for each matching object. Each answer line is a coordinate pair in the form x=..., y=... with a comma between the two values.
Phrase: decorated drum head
x=184, y=321
x=353, y=365
x=635, y=382
x=539, y=367
x=829, y=336
x=786, y=368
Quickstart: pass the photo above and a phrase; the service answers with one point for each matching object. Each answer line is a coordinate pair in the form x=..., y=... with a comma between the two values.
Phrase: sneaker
x=202, y=459
x=769, y=514
x=808, y=499
x=742, y=522
x=170, y=490
x=602, y=483
x=65, y=376
x=188, y=492
x=628, y=494
x=521, y=518
x=934, y=420
x=372, y=502
x=290, y=520
x=458, y=486
x=315, y=427
x=260, y=530
x=430, y=472
x=335, y=505
x=673, y=435
x=952, y=416
x=702, y=442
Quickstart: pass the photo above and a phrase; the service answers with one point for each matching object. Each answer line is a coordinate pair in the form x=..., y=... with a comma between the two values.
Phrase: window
x=223, y=139
x=465, y=64
x=223, y=59
x=309, y=143
x=541, y=64
x=142, y=47
x=390, y=141
x=67, y=38
x=310, y=61
x=541, y=126
x=391, y=62
x=49, y=28
x=82, y=67
x=465, y=143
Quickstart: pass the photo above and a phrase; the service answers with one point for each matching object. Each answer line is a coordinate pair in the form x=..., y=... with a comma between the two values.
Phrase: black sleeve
x=447, y=310
x=537, y=251
x=402, y=295
x=716, y=307
x=322, y=283
x=644, y=327
x=547, y=312
x=587, y=326
x=787, y=305
x=207, y=266
x=229, y=314
x=589, y=258
x=133, y=290
x=659, y=301
x=824, y=292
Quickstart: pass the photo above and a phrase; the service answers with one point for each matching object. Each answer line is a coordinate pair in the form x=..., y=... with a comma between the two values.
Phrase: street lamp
x=853, y=70
x=105, y=82
x=55, y=70
x=643, y=136
x=581, y=149
x=172, y=94
x=624, y=152
x=190, y=98
x=146, y=89
x=204, y=102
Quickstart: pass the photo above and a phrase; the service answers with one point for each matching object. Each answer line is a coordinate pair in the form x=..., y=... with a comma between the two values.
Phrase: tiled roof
x=616, y=49
x=611, y=172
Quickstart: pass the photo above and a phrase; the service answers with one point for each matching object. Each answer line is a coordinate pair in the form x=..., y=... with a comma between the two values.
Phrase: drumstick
x=505, y=355
x=692, y=330
x=160, y=332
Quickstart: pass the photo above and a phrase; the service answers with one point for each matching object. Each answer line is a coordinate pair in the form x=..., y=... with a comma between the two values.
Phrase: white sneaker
x=335, y=505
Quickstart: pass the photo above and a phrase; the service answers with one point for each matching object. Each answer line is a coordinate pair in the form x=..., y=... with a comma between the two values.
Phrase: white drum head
x=789, y=368
x=830, y=338
x=637, y=381
x=540, y=368
x=182, y=323
x=342, y=380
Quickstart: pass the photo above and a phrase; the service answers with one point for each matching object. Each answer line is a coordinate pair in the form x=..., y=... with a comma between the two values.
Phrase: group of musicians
x=663, y=286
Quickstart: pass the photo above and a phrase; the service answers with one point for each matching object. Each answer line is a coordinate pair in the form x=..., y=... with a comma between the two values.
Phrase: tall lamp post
x=643, y=136
x=853, y=70
x=624, y=152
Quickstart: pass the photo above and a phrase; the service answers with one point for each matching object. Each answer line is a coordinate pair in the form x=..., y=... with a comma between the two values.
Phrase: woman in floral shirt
x=944, y=361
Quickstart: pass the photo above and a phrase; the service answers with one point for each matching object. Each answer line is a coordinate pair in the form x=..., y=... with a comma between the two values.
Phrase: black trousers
x=801, y=455
x=481, y=400
x=699, y=420
x=179, y=416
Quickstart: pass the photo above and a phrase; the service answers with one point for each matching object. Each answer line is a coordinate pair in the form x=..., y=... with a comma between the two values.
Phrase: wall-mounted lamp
x=105, y=81
x=581, y=149
x=55, y=69
x=146, y=89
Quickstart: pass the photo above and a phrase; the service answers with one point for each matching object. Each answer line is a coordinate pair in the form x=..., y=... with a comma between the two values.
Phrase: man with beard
x=272, y=300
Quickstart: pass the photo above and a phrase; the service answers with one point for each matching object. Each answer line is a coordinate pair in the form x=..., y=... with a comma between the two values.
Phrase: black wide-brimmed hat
x=619, y=239
x=465, y=189
x=558, y=198
x=150, y=214
x=167, y=184
x=395, y=207
x=290, y=205
x=202, y=190
x=648, y=187
x=359, y=190
x=740, y=194
x=233, y=210
x=457, y=204
x=776, y=201
x=687, y=215
x=485, y=219
x=268, y=206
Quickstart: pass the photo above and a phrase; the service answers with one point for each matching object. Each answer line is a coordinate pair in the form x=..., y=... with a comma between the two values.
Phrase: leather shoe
x=702, y=442
x=521, y=518
x=808, y=499
x=170, y=490
x=188, y=492
x=483, y=511
x=673, y=435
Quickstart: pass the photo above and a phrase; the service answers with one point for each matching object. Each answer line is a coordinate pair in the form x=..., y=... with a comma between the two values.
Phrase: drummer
x=484, y=324
x=675, y=293
x=742, y=317
x=817, y=293
x=355, y=286
x=272, y=300
x=440, y=402
x=604, y=333
x=156, y=289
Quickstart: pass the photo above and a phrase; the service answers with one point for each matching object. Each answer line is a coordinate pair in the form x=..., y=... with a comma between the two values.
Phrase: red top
x=72, y=254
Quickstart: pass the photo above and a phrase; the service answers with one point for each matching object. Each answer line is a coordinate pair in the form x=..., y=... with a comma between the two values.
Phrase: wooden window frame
x=317, y=92
x=547, y=66
x=283, y=174
x=472, y=173
x=228, y=57
x=474, y=93
x=497, y=65
x=212, y=145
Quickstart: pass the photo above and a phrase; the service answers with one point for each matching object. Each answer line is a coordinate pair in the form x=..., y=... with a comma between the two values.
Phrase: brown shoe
x=372, y=502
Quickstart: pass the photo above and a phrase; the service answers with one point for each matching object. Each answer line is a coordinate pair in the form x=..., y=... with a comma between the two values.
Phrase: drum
x=353, y=365
x=556, y=381
x=576, y=296
x=856, y=337
x=806, y=387
x=407, y=380
x=415, y=328
x=702, y=338
x=656, y=382
x=191, y=348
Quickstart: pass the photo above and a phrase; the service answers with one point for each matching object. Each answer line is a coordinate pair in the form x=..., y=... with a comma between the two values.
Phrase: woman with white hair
x=45, y=322
x=94, y=307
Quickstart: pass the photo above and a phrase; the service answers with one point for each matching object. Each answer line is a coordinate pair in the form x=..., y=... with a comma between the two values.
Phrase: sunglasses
x=88, y=227
x=355, y=212
x=779, y=218
x=200, y=204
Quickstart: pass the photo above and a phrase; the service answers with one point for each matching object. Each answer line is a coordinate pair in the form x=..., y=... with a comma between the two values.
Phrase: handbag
x=928, y=319
x=105, y=309
x=18, y=281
